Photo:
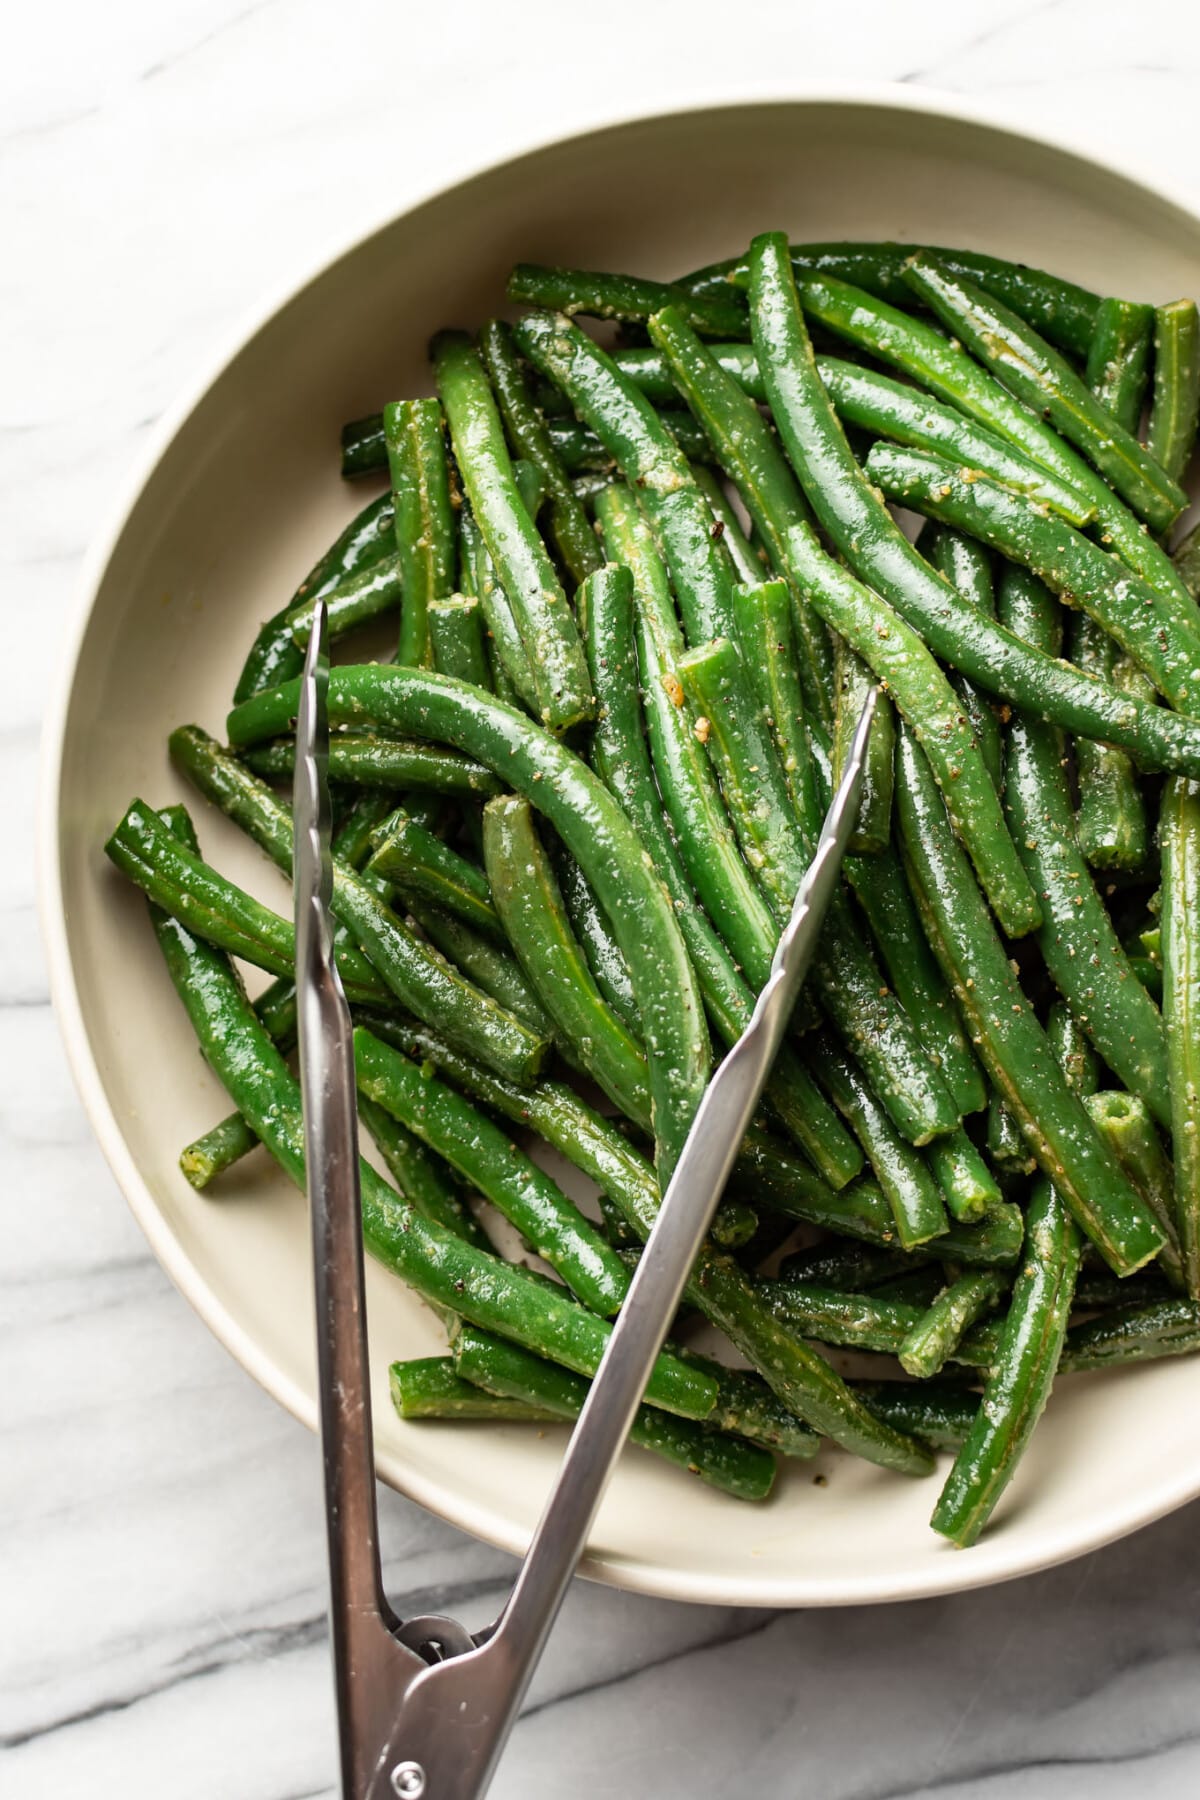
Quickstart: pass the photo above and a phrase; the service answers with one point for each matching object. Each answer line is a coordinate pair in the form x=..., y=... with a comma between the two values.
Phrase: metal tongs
x=424, y=1706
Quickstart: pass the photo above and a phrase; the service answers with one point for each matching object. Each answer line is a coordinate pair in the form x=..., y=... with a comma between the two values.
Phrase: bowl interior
x=236, y=508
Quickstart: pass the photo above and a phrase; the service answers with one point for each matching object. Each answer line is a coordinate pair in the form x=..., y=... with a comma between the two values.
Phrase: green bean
x=925, y=699
x=849, y=1267
x=857, y=519
x=427, y=1387
x=941, y=364
x=582, y=453
x=1019, y=1384
x=539, y=606
x=935, y=1338
x=273, y=655
x=1166, y=646
x=363, y=446
x=649, y=459
x=419, y=863
x=214, y=909
x=939, y=1413
x=1077, y=938
x=1006, y=1145
x=765, y=636
x=364, y=760
x=363, y=597
x=419, y=1174
x=911, y=1191
x=1010, y=1041
x=456, y=639
x=1179, y=836
x=609, y=969
x=801, y=1379
x=1118, y=359
x=621, y=759
x=1171, y=433
x=224, y=1144
x=1133, y=1334
x=727, y=1463
x=483, y=962
x=418, y=979
x=847, y=1321
x=1072, y=1051
x=845, y=975
x=746, y=1405
x=529, y=436
x=1061, y=310
x=967, y=567
x=749, y=454
x=881, y=889
x=482, y=1154
x=511, y=669
x=571, y=291
x=968, y=1186
x=648, y=369
x=907, y=415
x=1186, y=561
x=853, y=681
x=742, y=554
x=1037, y=374
x=1110, y=822
x=591, y=825
x=1124, y=1123
x=530, y=905
x=452, y=1275
x=414, y=431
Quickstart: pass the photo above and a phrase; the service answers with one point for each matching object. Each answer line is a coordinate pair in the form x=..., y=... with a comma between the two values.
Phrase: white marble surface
x=165, y=167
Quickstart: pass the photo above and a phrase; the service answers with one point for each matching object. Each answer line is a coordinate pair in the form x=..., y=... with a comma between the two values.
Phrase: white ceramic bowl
x=240, y=495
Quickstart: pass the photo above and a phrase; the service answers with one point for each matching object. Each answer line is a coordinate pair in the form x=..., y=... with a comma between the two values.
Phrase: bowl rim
x=987, y=1564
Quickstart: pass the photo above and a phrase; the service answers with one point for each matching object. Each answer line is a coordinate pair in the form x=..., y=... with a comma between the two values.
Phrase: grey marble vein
x=161, y=1576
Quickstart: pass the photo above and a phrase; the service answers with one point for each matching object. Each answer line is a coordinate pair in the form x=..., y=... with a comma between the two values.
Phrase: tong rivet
x=408, y=1780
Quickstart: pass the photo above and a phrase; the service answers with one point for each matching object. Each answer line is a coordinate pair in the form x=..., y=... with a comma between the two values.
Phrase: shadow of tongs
x=424, y=1706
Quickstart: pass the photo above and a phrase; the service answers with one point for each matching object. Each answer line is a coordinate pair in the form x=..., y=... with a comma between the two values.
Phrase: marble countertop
x=161, y=1545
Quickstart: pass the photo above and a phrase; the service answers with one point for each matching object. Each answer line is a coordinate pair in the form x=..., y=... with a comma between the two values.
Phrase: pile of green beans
x=638, y=590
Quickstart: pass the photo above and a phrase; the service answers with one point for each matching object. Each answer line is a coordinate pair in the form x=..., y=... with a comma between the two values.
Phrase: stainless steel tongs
x=424, y=1706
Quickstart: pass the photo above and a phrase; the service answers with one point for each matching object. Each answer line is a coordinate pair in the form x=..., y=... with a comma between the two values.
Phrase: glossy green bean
x=1166, y=646
x=912, y=1193
x=939, y=1413
x=539, y=605
x=1019, y=1384
x=1179, y=837
x=1065, y=312
x=1077, y=939
x=727, y=1463
x=749, y=454
x=650, y=461
x=591, y=825
x=601, y=296
x=933, y=1340
x=363, y=759
x=419, y=980
x=1171, y=432
x=1110, y=821
x=426, y=538
x=420, y=1175
x=1006, y=1033
x=1133, y=1334
x=456, y=639
x=368, y=595
x=1072, y=1050
x=1037, y=374
x=1118, y=359
x=485, y=1156
x=941, y=364
x=530, y=905
x=966, y=565
x=621, y=758
x=968, y=1186
x=609, y=969
x=1124, y=1123
x=569, y=527
x=273, y=656
x=511, y=669
x=853, y=681
x=926, y=701
x=417, y=862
